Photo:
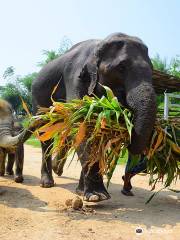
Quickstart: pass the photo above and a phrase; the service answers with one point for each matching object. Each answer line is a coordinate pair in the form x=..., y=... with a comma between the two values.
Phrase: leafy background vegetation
x=18, y=86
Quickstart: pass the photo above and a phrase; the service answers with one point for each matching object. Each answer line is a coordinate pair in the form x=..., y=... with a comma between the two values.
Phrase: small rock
x=77, y=203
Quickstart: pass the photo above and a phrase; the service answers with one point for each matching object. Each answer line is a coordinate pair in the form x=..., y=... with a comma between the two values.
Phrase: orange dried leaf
x=49, y=128
x=59, y=108
x=103, y=123
x=54, y=90
x=25, y=107
x=81, y=134
x=50, y=131
x=46, y=136
x=159, y=140
x=64, y=136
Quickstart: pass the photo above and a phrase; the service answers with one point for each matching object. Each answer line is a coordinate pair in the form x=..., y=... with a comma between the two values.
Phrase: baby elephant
x=9, y=131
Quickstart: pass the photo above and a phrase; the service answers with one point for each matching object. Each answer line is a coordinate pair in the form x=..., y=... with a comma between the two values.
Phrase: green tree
x=20, y=86
x=25, y=84
x=50, y=55
x=12, y=94
x=160, y=64
x=17, y=87
x=65, y=45
x=26, y=81
x=172, y=68
x=9, y=72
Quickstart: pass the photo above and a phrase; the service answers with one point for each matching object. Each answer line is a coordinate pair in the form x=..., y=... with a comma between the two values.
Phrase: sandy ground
x=28, y=211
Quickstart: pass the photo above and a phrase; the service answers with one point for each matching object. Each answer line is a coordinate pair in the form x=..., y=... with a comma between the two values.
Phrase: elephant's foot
x=18, y=178
x=46, y=181
x=96, y=193
x=96, y=196
x=127, y=192
x=9, y=172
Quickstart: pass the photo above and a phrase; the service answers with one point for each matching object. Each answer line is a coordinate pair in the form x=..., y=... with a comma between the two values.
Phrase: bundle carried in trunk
x=104, y=126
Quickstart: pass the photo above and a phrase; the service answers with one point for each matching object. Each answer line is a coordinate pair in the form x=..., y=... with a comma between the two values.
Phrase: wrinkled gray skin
x=120, y=62
x=9, y=137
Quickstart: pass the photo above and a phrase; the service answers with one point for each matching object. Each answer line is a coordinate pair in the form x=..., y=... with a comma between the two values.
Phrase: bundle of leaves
x=163, y=158
x=101, y=124
x=104, y=127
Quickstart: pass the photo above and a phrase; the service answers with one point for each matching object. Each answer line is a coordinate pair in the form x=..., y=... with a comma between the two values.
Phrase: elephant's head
x=122, y=63
x=7, y=126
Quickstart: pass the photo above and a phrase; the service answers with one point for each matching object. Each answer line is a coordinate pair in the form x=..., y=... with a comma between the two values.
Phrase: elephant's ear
x=101, y=49
x=90, y=70
x=90, y=74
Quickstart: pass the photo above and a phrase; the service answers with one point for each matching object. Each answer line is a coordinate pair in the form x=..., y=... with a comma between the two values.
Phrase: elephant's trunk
x=8, y=140
x=142, y=101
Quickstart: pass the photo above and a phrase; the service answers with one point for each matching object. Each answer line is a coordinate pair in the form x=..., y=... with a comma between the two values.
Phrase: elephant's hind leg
x=10, y=164
x=19, y=156
x=2, y=161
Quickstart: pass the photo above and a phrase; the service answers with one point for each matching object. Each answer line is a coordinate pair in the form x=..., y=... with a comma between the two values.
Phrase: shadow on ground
x=119, y=208
x=18, y=197
x=133, y=209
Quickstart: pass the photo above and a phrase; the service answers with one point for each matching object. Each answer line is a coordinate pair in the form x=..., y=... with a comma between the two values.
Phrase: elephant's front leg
x=94, y=189
x=19, y=157
x=2, y=161
x=46, y=167
x=10, y=164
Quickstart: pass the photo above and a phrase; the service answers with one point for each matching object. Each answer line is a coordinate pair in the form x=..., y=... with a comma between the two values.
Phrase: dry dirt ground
x=28, y=211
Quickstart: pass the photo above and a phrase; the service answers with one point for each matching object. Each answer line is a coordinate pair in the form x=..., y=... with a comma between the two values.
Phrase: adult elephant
x=120, y=62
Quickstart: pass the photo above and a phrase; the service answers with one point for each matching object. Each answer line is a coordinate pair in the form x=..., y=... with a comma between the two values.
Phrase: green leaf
x=114, y=102
x=111, y=171
x=129, y=125
x=109, y=92
x=105, y=103
x=90, y=111
x=151, y=197
x=98, y=121
x=107, y=115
